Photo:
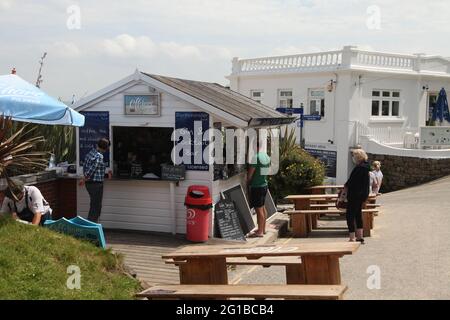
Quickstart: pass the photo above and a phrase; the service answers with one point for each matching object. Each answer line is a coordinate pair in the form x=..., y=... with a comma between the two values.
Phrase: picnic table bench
x=208, y=264
x=302, y=223
x=297, y=292
x=294, y=271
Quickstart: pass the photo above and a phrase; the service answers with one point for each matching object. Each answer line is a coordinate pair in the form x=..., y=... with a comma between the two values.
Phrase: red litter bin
x=198, y=203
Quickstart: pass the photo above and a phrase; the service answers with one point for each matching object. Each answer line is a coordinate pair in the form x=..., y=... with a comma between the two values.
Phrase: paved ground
x=410, y=245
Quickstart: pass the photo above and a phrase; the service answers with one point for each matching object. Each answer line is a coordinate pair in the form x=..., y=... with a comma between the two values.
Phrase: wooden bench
x=276, y=291
x=295, y=272
x=302, y=222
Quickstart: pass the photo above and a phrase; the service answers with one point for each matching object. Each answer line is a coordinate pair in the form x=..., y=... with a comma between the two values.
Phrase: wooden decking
x=142, y=253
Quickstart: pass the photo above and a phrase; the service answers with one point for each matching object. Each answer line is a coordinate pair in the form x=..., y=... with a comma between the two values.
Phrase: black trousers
x=354, y=215
x=95, y=190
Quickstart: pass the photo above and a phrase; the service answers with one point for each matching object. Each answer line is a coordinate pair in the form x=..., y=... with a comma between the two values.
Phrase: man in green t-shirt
x=257, y=182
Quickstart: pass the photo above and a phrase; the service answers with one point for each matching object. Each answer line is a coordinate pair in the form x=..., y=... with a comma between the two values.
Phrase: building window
x=257, y=95
x=385, y=103
x=285, y=99
x=317, y=102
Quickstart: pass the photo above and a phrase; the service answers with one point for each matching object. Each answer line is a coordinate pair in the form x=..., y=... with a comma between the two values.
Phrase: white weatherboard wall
x=143, y=205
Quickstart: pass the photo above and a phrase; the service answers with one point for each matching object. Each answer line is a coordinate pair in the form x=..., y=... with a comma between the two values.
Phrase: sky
x=92, y=44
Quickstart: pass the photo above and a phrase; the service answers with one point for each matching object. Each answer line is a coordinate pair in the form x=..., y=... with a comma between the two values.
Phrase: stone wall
x=402, y=172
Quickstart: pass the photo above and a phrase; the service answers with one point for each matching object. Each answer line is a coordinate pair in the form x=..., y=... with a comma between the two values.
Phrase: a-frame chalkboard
x=227, y=221
x=237, y=195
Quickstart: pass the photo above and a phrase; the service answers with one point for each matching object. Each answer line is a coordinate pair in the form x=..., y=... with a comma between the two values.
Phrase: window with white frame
x=257, y=95
x=317, y=102
x=285, y=99
x=385, y=103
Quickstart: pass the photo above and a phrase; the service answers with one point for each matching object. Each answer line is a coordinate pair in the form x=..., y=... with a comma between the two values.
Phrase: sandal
x=255, y=235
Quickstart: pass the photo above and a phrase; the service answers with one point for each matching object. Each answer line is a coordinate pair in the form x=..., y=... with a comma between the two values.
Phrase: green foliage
x=34, y=262
x=298, y=170
x=59, y=140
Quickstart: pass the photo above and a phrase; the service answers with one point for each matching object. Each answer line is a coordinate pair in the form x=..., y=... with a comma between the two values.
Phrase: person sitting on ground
x=357, y=193
x=26, y=203
x=378, y=176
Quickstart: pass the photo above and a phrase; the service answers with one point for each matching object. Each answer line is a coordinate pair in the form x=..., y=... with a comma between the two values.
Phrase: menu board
x=96, y=126
x=227, y=221
x=236, y=194
x=195, y=124
x=173, y=173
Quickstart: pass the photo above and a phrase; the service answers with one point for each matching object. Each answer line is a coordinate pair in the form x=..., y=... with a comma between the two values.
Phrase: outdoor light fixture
x=425, y=88
x=330, y=86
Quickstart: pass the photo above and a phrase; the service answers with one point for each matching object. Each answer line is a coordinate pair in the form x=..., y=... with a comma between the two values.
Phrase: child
x=378, y=177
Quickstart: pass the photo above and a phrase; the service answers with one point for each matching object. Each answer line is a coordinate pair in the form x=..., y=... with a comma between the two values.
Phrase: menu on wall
x=96, y=126
x=194, y=124
x=227, y=221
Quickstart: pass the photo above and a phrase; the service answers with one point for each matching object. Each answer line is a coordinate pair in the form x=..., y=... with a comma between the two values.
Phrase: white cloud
x=65, y=49
x=126, y=45
x=5, y=4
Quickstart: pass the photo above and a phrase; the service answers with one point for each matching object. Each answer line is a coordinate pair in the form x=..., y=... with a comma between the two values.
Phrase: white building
x=370, y=98
x=139, y=114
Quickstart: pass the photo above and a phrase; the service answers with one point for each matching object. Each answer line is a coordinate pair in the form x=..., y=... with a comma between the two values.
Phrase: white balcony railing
x=295, y=62
x=391, y=136
x=384, y=60
x=347, y=58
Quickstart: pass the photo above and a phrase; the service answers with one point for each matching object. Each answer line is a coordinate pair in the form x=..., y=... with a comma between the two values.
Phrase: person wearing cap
x=26, y=203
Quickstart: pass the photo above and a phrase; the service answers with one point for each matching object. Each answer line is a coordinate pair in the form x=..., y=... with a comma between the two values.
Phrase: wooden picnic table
x=208, y=265
x=304, y=224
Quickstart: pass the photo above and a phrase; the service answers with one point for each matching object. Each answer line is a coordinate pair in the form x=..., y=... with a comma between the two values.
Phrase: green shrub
x=298, y=170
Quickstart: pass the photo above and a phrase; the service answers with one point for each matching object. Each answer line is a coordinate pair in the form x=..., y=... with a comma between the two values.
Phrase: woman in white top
x=377, y=176
x=26, y=203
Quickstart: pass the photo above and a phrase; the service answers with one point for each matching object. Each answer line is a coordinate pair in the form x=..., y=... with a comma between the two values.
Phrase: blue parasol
x=27, y=103
x=440, y=111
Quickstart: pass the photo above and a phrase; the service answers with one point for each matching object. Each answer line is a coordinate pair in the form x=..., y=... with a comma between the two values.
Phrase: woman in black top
x=357, y=193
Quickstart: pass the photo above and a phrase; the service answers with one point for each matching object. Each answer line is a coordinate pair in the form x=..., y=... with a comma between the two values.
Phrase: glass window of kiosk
x=139, y=152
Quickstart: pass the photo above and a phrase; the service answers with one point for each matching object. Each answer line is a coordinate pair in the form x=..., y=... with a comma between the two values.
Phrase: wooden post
x=322, y=269
x=295, y=274
x=299, y=222
x=204, y=271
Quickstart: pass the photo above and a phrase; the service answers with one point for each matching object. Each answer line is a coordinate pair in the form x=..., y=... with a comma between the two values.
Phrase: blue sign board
x=96, y=126
x=290, y=110
x=312, y=117
x=186, y=121
x=79, y=228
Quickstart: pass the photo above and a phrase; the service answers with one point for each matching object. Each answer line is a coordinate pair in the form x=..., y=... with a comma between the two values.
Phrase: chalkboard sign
x=227, y=221
x=271, y=208
x=195, y=124
x=96, y=126
x=237, y=195
x=173, y=173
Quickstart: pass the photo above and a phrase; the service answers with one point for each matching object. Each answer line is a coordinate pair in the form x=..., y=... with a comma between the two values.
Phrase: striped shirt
x=94, y=167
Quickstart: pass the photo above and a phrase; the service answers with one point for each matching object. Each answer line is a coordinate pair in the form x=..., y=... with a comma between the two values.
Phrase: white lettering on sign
x=190, y=214
x=260, y=250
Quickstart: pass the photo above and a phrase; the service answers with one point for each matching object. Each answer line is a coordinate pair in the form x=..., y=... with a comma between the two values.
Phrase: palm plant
x=288, y=142
x=18, y=150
